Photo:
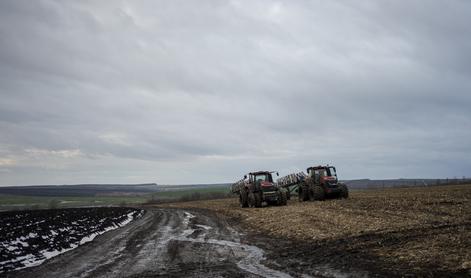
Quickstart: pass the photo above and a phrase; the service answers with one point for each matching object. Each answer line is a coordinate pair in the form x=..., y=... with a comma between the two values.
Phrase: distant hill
x=90, y=190
x=192, y=186
x=80, y=190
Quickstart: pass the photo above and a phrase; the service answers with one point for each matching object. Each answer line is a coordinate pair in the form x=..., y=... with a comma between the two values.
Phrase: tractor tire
x=283, y=198
x=279, y=201
x=251, y=200
x=316, y=193
x=303, y=193
x=243, y=199
x=258, y=199
x=343, y=191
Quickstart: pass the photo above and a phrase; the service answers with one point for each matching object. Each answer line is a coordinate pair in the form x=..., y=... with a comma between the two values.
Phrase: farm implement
x=320, y=183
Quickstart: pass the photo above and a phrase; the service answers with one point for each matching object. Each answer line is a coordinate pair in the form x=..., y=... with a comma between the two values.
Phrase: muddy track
x=164, y=242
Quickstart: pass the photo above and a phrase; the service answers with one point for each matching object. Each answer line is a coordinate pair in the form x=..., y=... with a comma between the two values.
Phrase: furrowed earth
x=404, y=232
x=28, y=238
x=421, y=231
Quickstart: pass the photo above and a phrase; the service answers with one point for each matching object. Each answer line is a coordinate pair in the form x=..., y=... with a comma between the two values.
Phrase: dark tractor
x=320, y=183
x=257, y=188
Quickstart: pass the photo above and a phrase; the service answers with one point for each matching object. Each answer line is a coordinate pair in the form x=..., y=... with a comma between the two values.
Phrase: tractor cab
x=262, y=180
x=322, y=174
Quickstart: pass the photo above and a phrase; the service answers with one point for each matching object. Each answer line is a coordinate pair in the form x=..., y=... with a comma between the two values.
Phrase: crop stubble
x=422, y=230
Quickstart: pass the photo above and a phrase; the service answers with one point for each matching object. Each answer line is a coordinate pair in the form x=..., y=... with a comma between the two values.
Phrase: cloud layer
x=189, y=92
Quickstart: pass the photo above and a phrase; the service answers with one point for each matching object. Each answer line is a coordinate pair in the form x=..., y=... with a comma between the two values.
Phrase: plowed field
x=422, y=231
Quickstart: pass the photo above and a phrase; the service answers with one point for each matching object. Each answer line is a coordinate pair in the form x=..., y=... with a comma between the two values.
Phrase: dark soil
x=424, y=232
x=353, y=257
x=162, y=243
x=25, y=236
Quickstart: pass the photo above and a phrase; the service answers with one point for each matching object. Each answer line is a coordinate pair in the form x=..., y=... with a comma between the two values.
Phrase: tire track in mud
x=250, y=256
x=165, y=242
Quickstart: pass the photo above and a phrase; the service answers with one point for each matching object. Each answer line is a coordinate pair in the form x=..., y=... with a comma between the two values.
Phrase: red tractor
x=257, y=188
x=320, y=182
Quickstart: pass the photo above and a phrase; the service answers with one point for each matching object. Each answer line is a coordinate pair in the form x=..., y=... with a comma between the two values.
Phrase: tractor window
x=332, y=172
x=263, y=177
x=320, y=172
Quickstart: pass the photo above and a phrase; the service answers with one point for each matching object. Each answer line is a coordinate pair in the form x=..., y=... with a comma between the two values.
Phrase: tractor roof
x=260, y=172
x=319, y=167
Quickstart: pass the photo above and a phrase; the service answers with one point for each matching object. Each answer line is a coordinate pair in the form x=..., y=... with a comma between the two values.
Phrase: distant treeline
x=80, y=190
x=371, y=184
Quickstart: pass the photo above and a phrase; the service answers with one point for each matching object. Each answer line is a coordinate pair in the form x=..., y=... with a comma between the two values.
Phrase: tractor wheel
x=343, y=191
x=243, y=199
x=303, y=194
x=283, y=198
x=279, y=200
x=251, y=200
x=316, y=193
x=258, y=199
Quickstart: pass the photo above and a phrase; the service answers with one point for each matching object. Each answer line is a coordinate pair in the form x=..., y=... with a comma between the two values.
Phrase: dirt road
x=164, y=242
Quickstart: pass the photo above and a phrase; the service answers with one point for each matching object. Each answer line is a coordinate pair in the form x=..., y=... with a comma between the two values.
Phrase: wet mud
x=163, y=243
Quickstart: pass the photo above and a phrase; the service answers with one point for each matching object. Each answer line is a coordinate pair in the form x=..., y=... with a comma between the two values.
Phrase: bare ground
x=422, y=231
x=162, y=243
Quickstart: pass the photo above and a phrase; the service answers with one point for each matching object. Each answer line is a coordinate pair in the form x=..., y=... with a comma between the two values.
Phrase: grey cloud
x=178, y=92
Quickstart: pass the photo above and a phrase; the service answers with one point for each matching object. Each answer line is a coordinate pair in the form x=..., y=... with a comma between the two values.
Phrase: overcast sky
x=204, y=91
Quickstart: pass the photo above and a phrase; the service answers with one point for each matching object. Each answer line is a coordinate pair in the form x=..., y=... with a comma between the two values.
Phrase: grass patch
x=192, y=194
x=8, y=202
x=12, y=202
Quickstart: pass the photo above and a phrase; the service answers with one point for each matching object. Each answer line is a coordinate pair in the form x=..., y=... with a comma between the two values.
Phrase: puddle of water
x=204, y=226
x=251, y=255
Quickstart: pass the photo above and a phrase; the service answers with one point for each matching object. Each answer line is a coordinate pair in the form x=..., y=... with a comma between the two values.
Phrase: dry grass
x=417, y=226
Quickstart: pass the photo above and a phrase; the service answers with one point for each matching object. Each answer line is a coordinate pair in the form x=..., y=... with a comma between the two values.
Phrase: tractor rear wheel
x=258, y=199
x=243, y=198
x=316, y=193
x=251, y=199
x=343, y=191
